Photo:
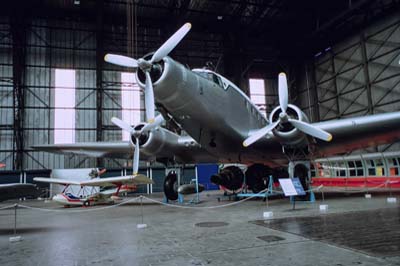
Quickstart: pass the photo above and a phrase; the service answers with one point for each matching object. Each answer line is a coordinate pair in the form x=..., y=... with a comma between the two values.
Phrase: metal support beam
x=367, y=80
x=18, y=33
x=335, y=85
x=99, y=74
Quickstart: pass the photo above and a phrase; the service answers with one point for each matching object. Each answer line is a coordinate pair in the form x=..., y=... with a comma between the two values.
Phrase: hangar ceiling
x=278, y=22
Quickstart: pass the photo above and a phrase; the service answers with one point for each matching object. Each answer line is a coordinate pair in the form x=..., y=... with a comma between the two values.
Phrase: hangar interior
x=341, y=58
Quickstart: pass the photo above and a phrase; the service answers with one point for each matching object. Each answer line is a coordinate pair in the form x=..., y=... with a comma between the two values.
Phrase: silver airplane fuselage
x=219, y=116
x=212, y=110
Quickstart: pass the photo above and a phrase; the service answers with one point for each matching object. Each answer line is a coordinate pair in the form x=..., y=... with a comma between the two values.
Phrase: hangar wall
x=358, y=76
x=30, y=51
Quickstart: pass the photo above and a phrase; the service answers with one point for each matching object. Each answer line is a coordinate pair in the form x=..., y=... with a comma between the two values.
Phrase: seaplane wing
x=118, y=180
x=58, y=181
x=99, y=182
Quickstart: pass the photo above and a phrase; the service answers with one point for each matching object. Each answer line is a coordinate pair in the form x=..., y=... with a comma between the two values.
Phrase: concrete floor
x=79, y=236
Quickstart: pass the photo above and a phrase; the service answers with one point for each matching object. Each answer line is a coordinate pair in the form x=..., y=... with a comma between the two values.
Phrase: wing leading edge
x=359, y=132
x=100, y=182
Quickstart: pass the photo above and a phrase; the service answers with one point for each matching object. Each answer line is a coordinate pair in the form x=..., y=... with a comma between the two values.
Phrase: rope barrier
x=224, y=205
x=152, y=200
x=366, y=189
x=172, y=205
x=7, y=207
x=81, y=210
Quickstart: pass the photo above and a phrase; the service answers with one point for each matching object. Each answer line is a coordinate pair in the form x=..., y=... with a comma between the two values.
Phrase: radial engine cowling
x=230, y=177
x=287, y=134
x=156, y=142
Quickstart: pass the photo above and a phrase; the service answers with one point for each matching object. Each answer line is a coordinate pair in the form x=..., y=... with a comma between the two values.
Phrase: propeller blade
x=121, y=60
x=122, y=124
x=259, y=134
x=283, y=92
x=149, y=98
x=311, y=130
x=136, y=157
x=170, y=44
x=157, y=121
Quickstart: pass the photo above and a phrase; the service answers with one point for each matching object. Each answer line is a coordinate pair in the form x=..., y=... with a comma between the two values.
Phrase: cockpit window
x=210, y=76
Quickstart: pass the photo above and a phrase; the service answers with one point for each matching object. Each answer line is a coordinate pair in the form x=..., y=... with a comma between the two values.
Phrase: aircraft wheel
x=171, y=186
x=257, y=177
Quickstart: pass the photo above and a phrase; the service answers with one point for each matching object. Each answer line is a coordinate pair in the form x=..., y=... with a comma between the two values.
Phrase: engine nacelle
x=230, y=177
x=287, y=134
x=156, y=142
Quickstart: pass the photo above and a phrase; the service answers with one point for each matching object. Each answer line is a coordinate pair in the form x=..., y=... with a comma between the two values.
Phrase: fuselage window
x=313, y=171
x=360, y=169
x=371, y=167
x=380, y=168
x=352, y=169
x=355, y=168
x=393, y=167
x=325, y=169
x=340, y=169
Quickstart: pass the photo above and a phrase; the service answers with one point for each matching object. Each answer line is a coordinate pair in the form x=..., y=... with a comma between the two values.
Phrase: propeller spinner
x=285, y=118
x=136, y=134
x=146, y=66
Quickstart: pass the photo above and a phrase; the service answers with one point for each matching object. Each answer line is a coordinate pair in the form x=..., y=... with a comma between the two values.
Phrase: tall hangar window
x=64, y=106
x=257, y=94
x=130, y=101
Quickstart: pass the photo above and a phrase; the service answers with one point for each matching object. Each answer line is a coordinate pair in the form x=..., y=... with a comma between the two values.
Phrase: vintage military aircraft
x=224, y=126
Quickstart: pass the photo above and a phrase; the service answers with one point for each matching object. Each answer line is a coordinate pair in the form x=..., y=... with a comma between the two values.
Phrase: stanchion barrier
x=81, y=210
x=149, y=199
x=220, y=206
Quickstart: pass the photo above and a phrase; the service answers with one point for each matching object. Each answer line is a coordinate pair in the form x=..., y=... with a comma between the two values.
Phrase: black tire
x=257, y=177
x=86, y=203
x=170, y=186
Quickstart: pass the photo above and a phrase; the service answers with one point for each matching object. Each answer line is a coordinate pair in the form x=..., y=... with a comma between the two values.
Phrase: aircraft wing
x=182, y=148
x=118, y=149
x=359, y=132
x=118, y=180
x=97, y=182
x=16, y=190
x=56, y=181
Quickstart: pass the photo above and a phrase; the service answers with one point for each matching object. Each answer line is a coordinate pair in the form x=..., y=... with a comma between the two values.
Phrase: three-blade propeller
x=146, y=66
x=136, y=134
x=285, y=118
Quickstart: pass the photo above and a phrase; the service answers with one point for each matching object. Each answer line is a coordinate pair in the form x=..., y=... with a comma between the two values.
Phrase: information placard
x=298, y=186
x=288, y=187
x=291, y=186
